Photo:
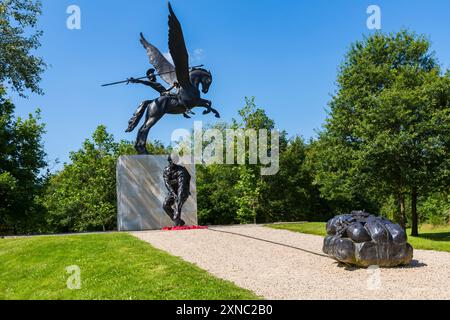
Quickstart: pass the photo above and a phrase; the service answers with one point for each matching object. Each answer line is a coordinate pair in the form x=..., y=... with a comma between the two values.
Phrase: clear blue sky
x=285, y=53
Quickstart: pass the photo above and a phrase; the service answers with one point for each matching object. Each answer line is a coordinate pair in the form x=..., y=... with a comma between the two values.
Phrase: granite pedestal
x=141, y=193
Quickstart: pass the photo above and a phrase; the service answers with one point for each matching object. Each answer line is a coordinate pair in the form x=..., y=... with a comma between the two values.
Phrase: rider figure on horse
x=154, y=84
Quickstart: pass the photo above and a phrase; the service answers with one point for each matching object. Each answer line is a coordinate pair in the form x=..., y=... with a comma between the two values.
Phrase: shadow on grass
x=438, y=236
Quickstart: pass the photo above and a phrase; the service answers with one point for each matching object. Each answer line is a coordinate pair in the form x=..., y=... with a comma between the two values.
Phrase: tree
x=436, y=207
x=18, y=38
x=239, y=194
x=216, y=194
x=82, y=197
x=253, y=117
x=248, y=197
x=22, y=158
x=21, y=149
x=231, y=193
x=290, y=195
x=250, y=183
x=389, y=123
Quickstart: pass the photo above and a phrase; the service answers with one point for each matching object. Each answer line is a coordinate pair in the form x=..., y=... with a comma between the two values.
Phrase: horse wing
x=177, y=48
x=161, y=64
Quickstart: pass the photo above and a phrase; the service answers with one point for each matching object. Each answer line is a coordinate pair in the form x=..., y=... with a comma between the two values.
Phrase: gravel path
x=277, y=269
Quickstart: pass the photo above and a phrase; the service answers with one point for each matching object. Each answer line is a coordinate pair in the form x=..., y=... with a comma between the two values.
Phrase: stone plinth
x=141, y=193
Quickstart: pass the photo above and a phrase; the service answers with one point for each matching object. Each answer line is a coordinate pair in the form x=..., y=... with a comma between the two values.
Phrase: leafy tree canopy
x=389, y=123
x=19, y=68
x=22, y=159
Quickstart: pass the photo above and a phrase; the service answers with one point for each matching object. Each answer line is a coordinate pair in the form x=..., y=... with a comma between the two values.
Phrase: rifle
x=128, y=80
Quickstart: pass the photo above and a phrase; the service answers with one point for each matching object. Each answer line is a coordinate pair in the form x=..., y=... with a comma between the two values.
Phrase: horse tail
x=137, y=116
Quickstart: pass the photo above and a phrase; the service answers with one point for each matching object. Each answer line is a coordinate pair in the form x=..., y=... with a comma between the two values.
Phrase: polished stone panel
x=141, y=192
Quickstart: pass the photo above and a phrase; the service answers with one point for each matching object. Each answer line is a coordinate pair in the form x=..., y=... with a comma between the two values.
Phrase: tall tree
x=216, y=194
x=239, y=194
x=19, y=68
x=290, y=195
x=248, y=199
x=250, y=204
x=21, y=149
x=389, y=123
x=22, y=158
x=232, y=193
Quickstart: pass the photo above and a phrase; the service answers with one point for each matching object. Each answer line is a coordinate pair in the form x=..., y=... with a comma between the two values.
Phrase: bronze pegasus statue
x=183, y=80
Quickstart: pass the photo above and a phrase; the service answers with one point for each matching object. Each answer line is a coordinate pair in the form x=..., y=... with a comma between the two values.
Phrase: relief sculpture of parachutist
x=178, y=181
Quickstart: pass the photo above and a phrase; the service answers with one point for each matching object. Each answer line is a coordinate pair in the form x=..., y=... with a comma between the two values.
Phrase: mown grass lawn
x=430, y=237
x=113, y=266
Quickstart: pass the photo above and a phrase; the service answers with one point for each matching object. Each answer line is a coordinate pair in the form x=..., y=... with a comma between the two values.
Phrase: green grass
x=430, y=237
x=113, y=266
x=317, y=228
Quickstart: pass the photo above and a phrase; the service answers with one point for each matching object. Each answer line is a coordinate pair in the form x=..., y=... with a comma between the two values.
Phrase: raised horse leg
x=207, y=104
x=216, y=113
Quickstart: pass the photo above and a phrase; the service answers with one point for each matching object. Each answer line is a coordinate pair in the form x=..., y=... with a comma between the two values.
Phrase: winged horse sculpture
x=178, y=76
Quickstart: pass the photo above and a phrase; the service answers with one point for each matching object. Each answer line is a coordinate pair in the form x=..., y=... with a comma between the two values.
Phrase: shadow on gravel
x=272, y=242
x=414, y=264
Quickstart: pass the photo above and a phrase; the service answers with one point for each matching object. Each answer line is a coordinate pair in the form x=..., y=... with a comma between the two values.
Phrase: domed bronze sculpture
x=360, y=239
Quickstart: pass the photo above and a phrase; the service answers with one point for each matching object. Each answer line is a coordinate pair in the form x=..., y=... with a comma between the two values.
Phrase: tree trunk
x=401, y=202
x=414, y=217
